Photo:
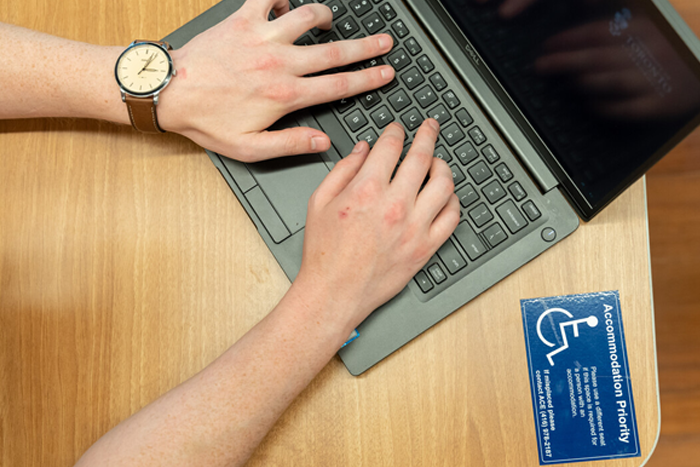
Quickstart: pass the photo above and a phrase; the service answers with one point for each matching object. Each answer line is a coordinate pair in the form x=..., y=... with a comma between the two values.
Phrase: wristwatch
x=143, y=70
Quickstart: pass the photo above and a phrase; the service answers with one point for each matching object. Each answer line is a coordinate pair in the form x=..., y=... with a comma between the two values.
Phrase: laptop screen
x=607, y=84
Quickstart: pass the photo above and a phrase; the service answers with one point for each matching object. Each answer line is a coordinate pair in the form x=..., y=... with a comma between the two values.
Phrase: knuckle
x=291, y=143
x=282, y=92
x=307, y=14
x=396, y=212
x=341, y=85
x=334, y=53
x=367, y=191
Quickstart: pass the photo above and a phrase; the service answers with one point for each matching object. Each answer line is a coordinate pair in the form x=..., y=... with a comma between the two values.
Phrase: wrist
x=172, y=106
x=320, y=306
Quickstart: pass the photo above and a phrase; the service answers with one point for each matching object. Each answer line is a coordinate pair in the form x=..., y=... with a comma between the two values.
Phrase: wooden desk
x=126, y=265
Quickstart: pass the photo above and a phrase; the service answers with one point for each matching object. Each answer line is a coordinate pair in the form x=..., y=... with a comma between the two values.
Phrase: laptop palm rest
x=288, y=183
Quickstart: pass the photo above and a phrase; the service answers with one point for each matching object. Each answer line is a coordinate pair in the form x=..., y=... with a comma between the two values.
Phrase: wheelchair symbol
x=592, y=322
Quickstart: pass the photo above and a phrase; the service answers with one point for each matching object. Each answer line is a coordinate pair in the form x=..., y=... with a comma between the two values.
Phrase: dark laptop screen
x=605, y=83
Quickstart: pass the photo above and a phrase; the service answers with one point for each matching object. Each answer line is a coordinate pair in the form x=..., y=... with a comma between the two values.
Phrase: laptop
x=546, y=117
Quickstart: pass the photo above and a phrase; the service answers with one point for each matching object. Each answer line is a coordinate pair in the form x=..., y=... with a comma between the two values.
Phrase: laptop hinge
x=464, y=61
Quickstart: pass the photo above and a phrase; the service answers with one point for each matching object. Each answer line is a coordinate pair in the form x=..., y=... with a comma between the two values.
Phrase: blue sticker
x=579, y=378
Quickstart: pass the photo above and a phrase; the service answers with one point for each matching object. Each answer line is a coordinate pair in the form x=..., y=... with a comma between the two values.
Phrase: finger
x=419, y=159
x=586, y=60
x=287, y=142
x=313, y=59
x=290, y=27
x=641, y=108
x=261, y=8
x=437, y=192
x=621, y=83
x=588, y=36
x=383, y=158
x=445, y=222
x=341, y=175
x=328, y=88
x=512, y=8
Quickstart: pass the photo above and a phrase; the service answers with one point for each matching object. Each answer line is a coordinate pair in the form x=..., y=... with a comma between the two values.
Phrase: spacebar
x=330, y=125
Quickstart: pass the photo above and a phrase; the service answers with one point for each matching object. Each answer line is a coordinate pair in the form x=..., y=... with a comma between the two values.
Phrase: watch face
x=143, y=69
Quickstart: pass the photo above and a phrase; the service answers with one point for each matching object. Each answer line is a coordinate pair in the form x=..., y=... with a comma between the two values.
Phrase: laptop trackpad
x=288, y=183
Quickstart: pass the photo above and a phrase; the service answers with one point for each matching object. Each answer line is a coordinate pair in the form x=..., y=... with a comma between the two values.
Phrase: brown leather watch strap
x=142, y=113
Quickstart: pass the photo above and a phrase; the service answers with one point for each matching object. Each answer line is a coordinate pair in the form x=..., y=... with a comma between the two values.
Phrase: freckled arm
x=46, y=76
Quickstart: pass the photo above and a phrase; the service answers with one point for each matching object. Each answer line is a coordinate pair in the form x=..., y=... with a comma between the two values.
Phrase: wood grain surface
x=127, y=265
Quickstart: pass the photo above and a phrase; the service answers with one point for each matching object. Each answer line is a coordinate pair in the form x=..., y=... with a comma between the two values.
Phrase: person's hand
x=512, y=8
x=239, y=77
x=631, y=75
x=367, y=234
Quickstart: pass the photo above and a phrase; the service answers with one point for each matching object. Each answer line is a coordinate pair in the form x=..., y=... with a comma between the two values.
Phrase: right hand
x=367, y=234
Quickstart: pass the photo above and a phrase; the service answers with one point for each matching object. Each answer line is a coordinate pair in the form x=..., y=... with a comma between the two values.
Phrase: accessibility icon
x=561, y=331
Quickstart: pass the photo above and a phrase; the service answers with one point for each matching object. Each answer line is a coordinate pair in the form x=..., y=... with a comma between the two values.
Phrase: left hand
x=242, y=75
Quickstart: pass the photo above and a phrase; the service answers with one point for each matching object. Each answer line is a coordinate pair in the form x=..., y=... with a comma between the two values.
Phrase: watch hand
x=147, y=63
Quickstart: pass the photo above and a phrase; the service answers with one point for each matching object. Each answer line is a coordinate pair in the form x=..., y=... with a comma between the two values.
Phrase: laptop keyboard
x=499, y=204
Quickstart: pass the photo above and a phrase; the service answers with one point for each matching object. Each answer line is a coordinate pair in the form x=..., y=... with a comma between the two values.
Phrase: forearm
x=47, y=76
x=219, y=416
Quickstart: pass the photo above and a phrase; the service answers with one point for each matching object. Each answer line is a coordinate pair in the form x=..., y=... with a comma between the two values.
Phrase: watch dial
x=143, y=69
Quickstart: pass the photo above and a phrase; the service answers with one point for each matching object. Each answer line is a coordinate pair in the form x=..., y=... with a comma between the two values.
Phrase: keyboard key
x=425, y=96
x=373, y=23
x=464, y=118
x=466, y=153
x=412, y=78
x=451, y=99
x=452, y=134
x=304, y=40
x=481, y=215
x=440, y=114
x=298, y=3
x=360, y=7
x=355, y=120
x=376, y=61
x=328, y=38
x=399, y=100
x=477, y=136
x=382, y=116
x=387, y=12
x=451, y=257
x=517, y=191
x=494, y=192
x=531, y=211
x=337, y=8
x=457, y=174
x=480, y=172
x=423, y=282
x=438, y=81
x=399, y=59
x=490, y=153
x=504, y=172
x=470, y=242
x=467, y=195
x=511, y=216
x=345, y=104
x=368, y=135
x=412, y=119
x=495, y=235
x=442, y=153
x=370, y=99
x=348, y=27
x=400, y=29
x=388, y=87
x=425, y=64
x=436, y=273
x=412, y=46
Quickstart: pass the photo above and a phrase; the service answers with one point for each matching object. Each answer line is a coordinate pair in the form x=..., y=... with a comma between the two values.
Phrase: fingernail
x=385, y=41
x=434, y=124
x=318, y=143
x=356, y=149
x=387, y=72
